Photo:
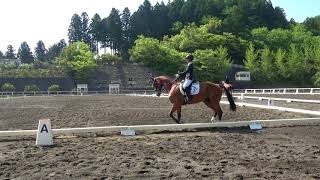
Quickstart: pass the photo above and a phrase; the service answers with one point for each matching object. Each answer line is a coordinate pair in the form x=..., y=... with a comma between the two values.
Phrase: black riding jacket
x=188, y=73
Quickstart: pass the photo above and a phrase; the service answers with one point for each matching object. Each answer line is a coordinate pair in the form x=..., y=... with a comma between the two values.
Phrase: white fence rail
x=278, y=99
x=279, y=91
x=68, y=93
x=164, y=127
x=149, y=92
x=303, y=111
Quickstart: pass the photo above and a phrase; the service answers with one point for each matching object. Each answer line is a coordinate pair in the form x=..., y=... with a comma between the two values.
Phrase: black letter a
x=44, y=128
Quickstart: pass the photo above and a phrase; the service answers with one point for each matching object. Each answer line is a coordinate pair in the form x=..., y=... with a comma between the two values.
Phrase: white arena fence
x=167, y=127
x=288, y=100
x=164, y=127
x=278, y=91
x=72, y=93
x=312, y=91
x=242, y=104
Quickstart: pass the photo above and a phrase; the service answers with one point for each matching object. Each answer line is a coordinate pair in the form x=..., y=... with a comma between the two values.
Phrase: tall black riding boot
x=188, y=93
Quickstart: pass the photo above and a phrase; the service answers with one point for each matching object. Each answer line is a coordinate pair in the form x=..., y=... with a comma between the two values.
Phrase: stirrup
x=187, y=100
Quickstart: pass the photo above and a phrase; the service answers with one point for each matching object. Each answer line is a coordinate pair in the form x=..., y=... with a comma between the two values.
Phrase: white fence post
x=242, y=96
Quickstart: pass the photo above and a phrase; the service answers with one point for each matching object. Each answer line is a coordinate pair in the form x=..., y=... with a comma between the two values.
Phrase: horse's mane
x=170, y=79
x=164, y=77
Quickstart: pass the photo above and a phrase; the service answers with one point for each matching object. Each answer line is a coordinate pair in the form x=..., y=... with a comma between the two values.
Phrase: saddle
x=195, y=87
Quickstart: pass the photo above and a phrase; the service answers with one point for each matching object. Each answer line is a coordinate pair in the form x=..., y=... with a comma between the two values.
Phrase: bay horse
x=209, y=93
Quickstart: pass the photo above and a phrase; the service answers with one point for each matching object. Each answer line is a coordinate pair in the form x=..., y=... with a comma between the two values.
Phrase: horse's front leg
x=173, y=109
x=179, y=114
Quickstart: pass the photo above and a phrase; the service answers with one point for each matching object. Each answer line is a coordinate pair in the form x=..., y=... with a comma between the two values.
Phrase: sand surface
x=237, y=153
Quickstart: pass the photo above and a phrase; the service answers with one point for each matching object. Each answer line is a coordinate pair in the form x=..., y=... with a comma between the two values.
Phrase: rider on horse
x=188, y=78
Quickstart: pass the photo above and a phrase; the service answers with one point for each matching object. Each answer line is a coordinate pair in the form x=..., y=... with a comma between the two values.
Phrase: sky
x=299, y=10
x=48, y=20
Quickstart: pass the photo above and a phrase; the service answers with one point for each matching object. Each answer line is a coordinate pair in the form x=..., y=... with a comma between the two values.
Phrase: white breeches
x=186, y=83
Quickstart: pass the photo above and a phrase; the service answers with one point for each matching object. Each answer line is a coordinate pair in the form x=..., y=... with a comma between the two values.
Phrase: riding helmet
x=189, y=57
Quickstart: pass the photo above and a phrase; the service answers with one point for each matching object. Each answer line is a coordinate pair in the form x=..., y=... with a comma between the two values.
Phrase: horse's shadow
x=236, y=130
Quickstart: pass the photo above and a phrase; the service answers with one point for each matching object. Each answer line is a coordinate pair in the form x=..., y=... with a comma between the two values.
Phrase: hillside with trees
x=219, y=33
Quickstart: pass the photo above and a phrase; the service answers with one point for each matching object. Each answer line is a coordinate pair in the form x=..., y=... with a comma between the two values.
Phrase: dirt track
x=274, y=153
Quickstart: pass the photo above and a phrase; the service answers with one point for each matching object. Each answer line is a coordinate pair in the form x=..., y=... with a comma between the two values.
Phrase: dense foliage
x=31, y=88
x=253, y=33
x=108, y=59
x=30, y=71
x=284, y=55
x=78, y=60
x=8, y=87
x=212, y=59
x=54, y=88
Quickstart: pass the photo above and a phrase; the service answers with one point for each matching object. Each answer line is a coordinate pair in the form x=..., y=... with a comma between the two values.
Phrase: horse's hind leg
x=210, y=106
x=216, y=108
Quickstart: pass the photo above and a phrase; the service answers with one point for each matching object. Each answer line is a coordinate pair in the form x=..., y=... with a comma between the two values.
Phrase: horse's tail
x=226, y=88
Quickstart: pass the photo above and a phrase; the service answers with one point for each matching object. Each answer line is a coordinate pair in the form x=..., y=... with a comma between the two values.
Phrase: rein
x=171, y=82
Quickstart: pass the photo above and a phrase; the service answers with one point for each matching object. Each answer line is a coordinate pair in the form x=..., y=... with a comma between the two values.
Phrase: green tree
x=177, y=27
x=161, y=58
x=114, y=30
x=40, y=51
x=281, y=64
x=1, y=55
x=235, y=21
x=10, y=52
x=78, y=58
x=313, y=25
x=316, y=79
x=212, y=65
x=316, y=76
x=75, y=32
x=142, y=20
x=126, y=34
x=55, y=50
x=252, y=63
x=213, y=24
x=266, y=65
x=296, y=67
x=96, y=32
x=192, y=38
x=86, y=37
x=25, y=54
x=161, y=25
x=174, y=10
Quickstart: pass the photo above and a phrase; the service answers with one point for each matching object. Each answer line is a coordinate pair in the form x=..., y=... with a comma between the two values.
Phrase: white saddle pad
x=195, y=88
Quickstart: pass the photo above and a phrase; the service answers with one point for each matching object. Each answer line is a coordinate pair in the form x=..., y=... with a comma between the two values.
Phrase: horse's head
x=159, y=83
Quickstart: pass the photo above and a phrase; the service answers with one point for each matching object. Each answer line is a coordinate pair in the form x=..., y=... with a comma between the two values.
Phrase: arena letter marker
x=255, y=126
x=128, y=132
x=44, y=133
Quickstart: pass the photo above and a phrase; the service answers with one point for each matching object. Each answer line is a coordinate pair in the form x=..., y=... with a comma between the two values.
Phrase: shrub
x=316, y=79
x=31, y=87
x=8, y=87
x=108, y=59
x=54, y=88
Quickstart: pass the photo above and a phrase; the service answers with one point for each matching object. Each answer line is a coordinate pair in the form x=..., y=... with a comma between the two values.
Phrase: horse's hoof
x=213, y=119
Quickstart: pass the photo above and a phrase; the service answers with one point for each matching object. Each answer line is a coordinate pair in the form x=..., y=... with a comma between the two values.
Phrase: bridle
x=162, y=88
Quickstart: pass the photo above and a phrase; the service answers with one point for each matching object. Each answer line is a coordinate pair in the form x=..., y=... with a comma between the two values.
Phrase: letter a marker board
x=44, y=133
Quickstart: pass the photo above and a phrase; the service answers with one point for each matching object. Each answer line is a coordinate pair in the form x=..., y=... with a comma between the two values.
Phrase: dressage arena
x=276, y=152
